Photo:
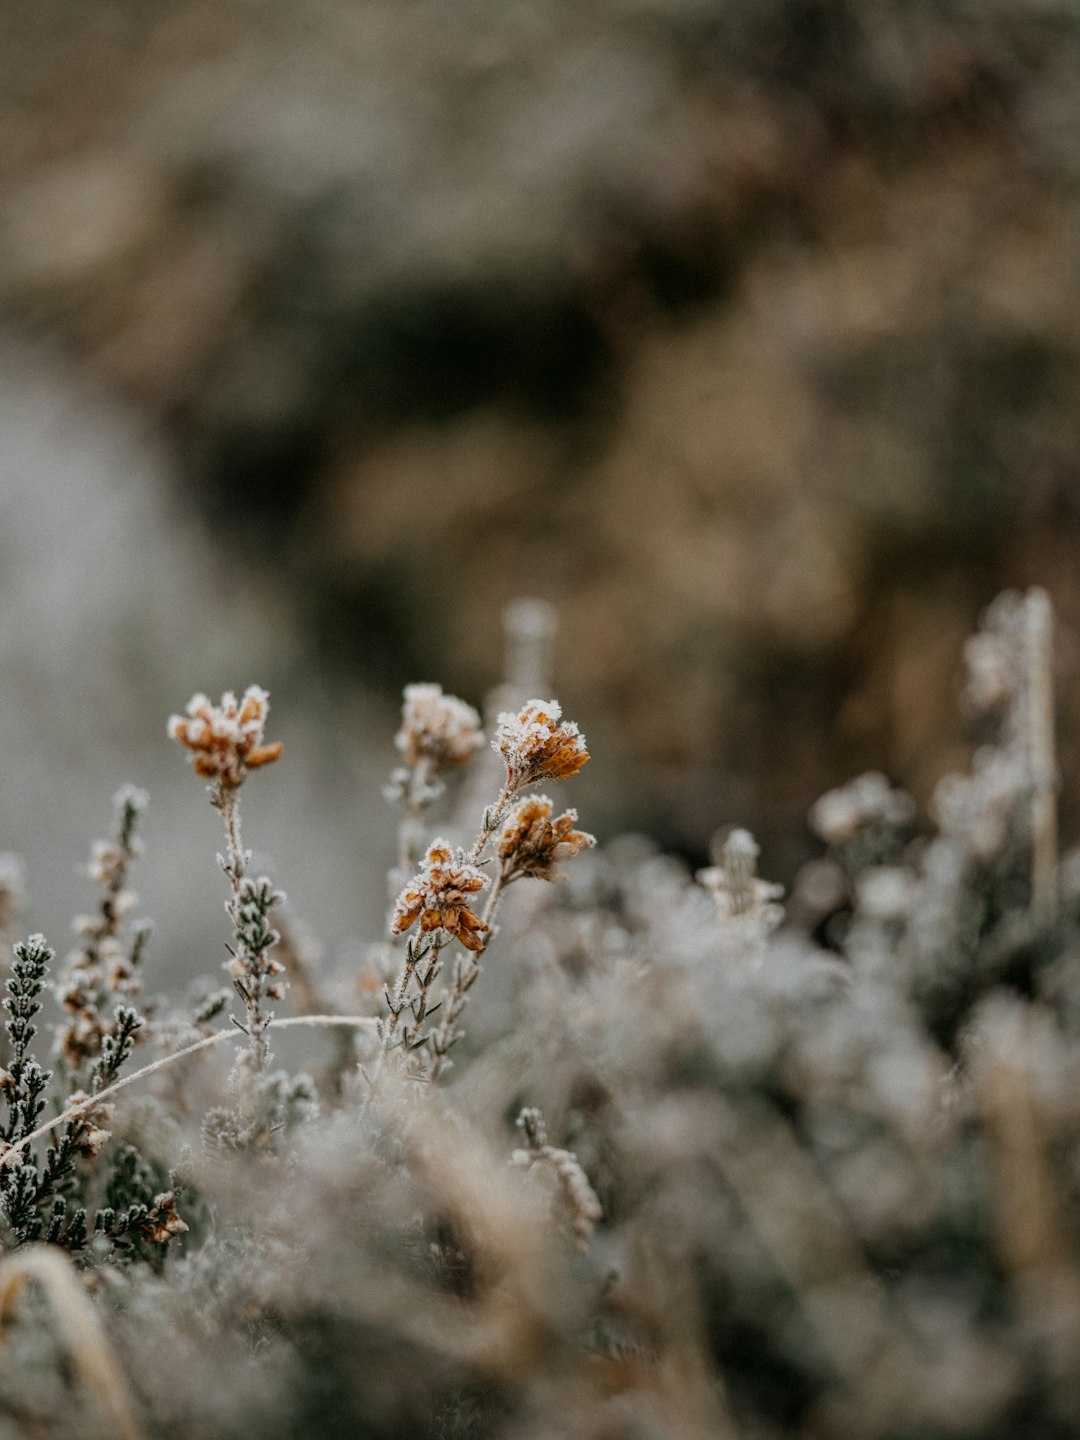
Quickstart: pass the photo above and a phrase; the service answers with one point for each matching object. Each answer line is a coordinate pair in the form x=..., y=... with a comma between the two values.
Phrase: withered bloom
x=226, y=740
x=532, y=843
x=91, y=1137
x=438, y=896
x=538, y=745
x=162, y=1224
x=436, y=729
x=80, y=1040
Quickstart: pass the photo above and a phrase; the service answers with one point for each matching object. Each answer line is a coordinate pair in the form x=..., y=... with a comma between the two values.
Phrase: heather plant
x=706, y=1165
x=65, y=1199
x=226, y=741
x=535, y=744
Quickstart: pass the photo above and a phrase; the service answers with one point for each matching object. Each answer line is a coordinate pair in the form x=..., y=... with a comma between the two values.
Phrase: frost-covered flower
x=532, y=843
x=90, y=1135
x=439, y=729
x=227, y=739
x=868, y=800
x=81, y=1039
x=735, y=887
x=438, y=896
x=162, y=1223
x=981, y=808
x=538, y=745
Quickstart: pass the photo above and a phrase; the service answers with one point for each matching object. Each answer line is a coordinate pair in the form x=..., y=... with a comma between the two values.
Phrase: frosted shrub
x=700, y=1168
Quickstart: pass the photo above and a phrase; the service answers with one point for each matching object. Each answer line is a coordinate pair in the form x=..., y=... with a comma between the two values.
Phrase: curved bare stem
x=357, y=1022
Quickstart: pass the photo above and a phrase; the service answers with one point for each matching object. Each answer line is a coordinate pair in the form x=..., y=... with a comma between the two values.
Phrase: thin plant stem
x=249, y=986
x=410, y=967
x=411, y=830
x=494, y=896
x=492, y=818
x=466, y=971
x=357, y=1022
x=226, y=799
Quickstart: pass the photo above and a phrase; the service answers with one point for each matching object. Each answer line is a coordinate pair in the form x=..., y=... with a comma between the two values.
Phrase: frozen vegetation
x=587, y=1146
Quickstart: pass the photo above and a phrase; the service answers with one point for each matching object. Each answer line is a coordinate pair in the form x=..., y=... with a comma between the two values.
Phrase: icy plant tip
x=538, y=745
x=438, y=896
x=226, y=740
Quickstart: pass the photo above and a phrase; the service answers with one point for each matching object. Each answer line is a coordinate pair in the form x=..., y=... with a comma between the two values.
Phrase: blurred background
x=746, y=335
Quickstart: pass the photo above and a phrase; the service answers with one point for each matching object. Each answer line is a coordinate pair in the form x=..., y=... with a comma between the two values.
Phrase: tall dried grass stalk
x=80, y=1328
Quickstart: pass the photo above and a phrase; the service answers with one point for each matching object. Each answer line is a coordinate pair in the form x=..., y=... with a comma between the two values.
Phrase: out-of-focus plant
x=701, y=1168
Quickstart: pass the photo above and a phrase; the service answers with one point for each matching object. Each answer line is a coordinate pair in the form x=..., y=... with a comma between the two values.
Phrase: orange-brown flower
x=538, y=745
x=226, y=740
x=532, y=843
x=162, y=1223
x=438, y=896
x=437, y=728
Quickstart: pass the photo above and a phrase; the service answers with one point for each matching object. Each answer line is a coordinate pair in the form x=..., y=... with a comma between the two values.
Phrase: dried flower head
x=981, y=808
x=89, y=1134
x=839, y=815
x=537, y=745
x=438, y=896
x=227, y=739
x=438, y=729
x=163, y=1224
x=532, y=843
x=734, y=884
x=80, y=1041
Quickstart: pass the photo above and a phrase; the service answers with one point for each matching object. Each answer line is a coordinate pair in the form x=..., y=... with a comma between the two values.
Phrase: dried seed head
x=163, y=1224
x=226, y=740
x=438, y=897
x=538, y=745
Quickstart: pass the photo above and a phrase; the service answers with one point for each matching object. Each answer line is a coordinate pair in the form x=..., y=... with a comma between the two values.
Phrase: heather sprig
x=106, y=968
x=226, y=742
x=535, y=744
x=740, y=896
x=24, y=1082
x=47, y=1200
x=23, y=1190
x=581, y=1204
x=255, y=971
